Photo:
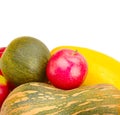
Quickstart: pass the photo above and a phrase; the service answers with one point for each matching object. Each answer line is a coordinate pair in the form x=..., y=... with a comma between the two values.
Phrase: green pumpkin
x=37, y=98
x=24, y=60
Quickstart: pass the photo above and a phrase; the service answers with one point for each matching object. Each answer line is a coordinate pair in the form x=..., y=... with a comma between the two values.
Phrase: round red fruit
x=0, y=72
x=4, y=89
x=2, y=50
x=66, y=69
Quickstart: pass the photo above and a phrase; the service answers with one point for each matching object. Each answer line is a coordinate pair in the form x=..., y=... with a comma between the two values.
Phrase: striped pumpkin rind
x=42, y=99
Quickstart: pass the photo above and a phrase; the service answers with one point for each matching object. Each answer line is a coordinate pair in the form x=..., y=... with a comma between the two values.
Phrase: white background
x=88, y=23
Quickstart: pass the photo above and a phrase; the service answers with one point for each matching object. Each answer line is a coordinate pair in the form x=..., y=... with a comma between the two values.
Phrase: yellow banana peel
x=101, y=67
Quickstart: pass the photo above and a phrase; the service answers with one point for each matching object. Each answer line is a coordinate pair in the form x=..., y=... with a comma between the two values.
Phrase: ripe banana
x=101, y=68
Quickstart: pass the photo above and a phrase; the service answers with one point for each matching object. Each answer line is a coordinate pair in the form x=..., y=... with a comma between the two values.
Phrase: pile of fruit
x=67, y=80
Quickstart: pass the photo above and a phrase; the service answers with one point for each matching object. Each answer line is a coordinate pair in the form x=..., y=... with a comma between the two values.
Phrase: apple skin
x=66, y=69
x=0, y=72
x=4, y=89
x=2, y=49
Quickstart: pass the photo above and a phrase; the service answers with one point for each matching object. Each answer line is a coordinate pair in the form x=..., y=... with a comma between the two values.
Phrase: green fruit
x=43, y=99
x=24, y=60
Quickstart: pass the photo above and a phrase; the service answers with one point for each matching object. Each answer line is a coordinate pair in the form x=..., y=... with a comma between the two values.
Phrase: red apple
x=4, y=89
x=1, y=52
x=0, y=72
x=66, y=69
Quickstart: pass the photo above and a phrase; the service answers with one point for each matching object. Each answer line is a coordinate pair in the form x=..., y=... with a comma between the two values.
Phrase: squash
x=24, y=60
x=35, y=98
x=101, y=67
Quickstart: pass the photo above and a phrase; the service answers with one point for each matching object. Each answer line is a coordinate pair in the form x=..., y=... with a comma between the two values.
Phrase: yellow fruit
x=101, y=68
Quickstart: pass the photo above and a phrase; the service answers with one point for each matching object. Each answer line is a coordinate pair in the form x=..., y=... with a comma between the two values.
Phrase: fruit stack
x=68, y=80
